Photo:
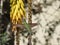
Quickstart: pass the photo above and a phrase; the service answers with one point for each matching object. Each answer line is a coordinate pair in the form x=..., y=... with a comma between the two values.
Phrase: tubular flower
x=17, y=12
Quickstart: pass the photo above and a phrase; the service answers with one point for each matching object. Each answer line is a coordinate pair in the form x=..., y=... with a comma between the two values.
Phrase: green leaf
x=27, y=26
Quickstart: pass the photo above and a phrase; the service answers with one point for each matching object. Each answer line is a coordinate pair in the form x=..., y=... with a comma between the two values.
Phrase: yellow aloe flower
x=17, y=12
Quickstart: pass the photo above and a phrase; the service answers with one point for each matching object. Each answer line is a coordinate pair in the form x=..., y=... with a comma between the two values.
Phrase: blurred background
x=46, y=13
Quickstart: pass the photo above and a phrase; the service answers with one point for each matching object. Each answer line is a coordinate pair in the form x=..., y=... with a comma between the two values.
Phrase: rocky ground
x=48, y=19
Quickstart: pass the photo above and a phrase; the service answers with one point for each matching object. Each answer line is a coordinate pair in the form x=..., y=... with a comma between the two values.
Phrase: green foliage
x=4, y=38
x=27, y=26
